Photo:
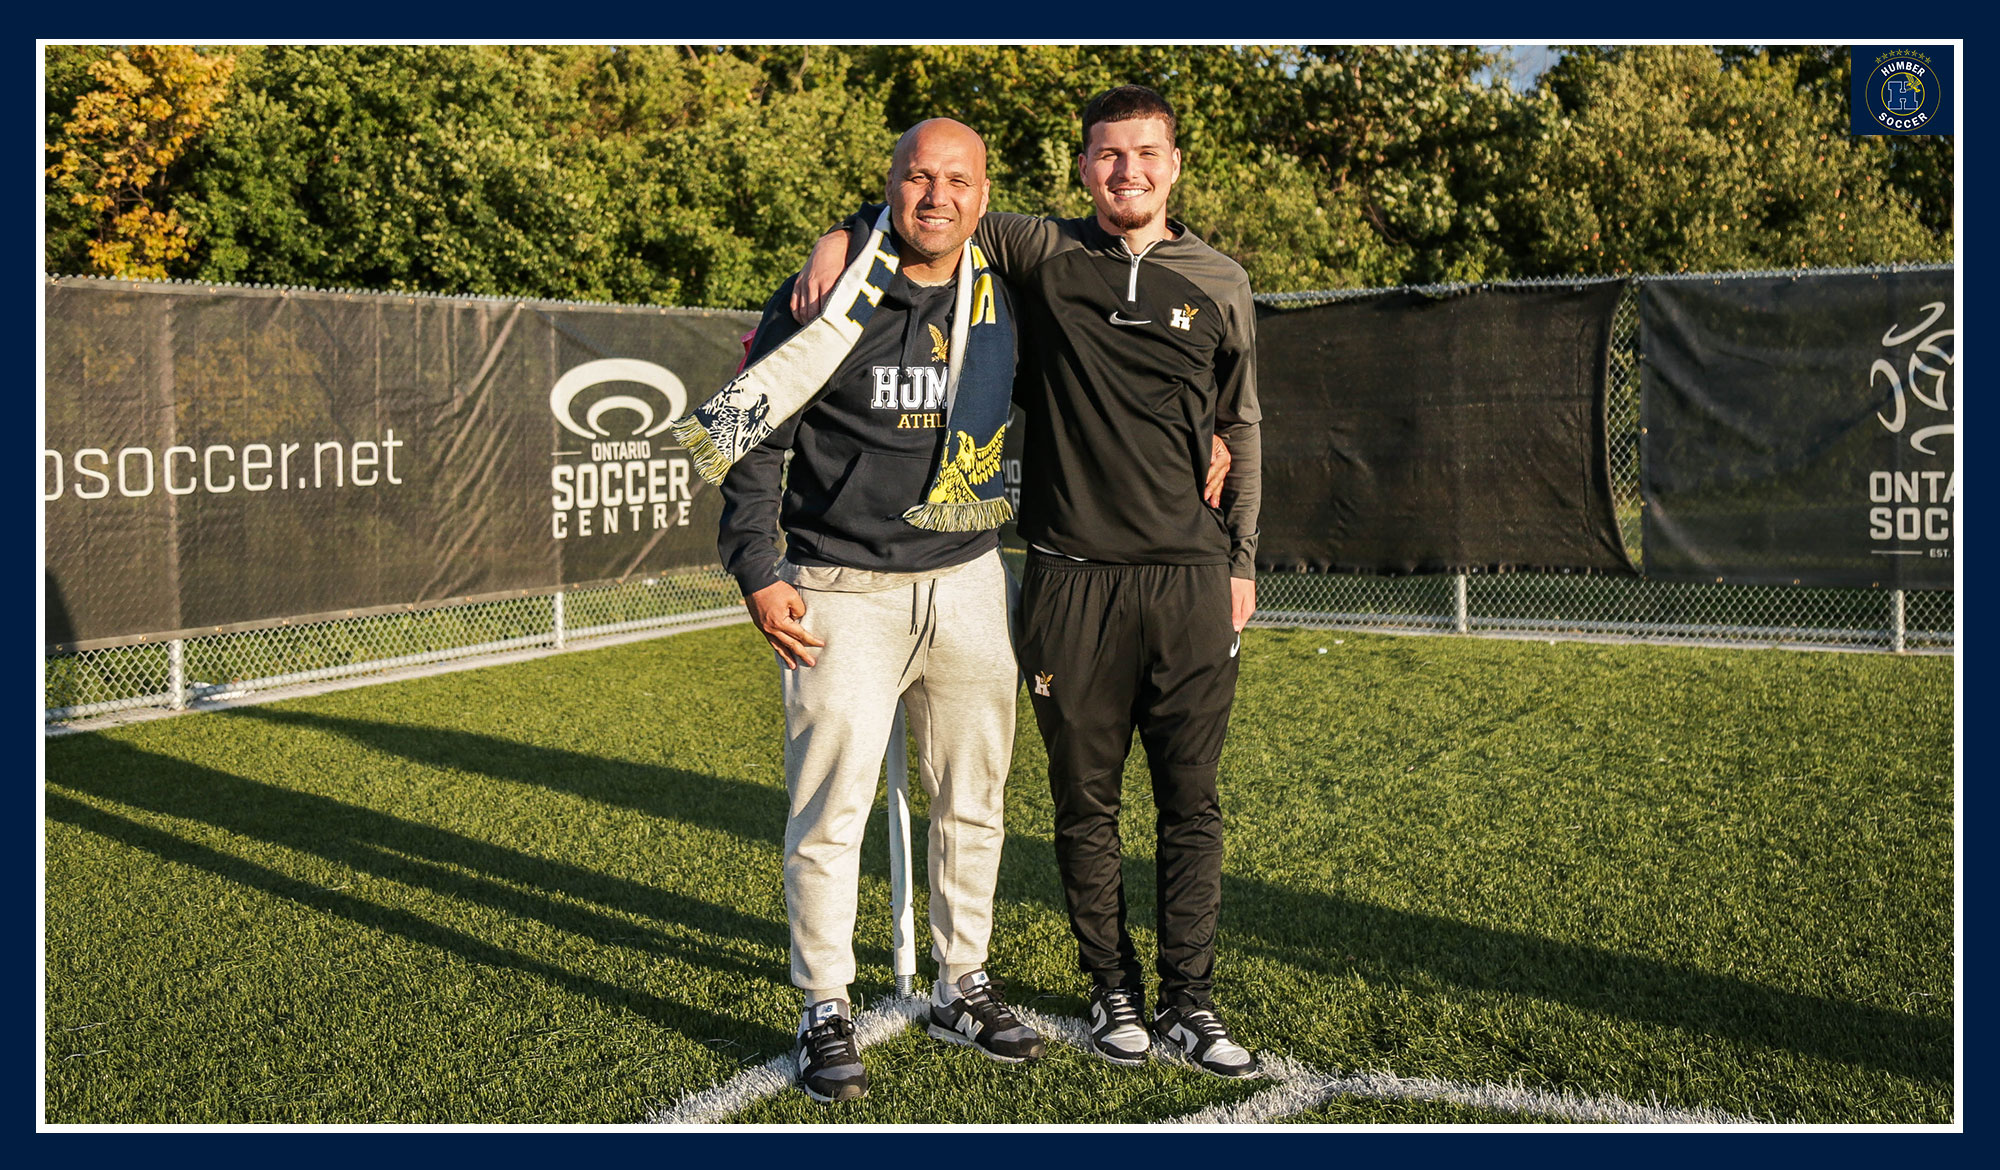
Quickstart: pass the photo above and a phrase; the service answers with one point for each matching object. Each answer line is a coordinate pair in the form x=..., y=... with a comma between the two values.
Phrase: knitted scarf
x=966, y=491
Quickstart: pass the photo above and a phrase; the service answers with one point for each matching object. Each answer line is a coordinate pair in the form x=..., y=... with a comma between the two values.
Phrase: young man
x=891, y=587
x=1141, y=345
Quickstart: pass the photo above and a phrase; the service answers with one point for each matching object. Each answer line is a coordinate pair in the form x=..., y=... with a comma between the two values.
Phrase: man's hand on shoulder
x=817, y=278
x=776, y=609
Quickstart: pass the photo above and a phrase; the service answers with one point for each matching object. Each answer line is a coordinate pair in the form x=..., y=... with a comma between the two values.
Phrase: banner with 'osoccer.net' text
x=223, y=458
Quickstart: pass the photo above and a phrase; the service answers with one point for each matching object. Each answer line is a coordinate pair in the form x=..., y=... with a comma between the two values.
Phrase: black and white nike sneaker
x=1118, y=1026
x=1196, y=1032
x=830, y=1067
x=977, y=1016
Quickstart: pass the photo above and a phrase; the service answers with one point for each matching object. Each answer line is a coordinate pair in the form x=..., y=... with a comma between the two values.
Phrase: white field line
x=881, y=1022
x=1300, y=1088
x=1295, y=1087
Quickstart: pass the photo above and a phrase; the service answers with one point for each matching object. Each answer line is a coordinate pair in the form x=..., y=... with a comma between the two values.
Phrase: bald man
x=865, y=607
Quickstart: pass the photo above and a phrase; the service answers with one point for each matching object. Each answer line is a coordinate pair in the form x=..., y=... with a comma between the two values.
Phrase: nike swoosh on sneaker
x=1118, y=318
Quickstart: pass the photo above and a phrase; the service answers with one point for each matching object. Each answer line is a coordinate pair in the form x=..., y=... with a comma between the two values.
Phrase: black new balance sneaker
x=830, y=1066
x=1118, y=1025
x=977, y=1016
x=1198, y=1033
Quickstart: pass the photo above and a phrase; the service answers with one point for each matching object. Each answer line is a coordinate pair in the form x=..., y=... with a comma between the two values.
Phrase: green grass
x=549, y=892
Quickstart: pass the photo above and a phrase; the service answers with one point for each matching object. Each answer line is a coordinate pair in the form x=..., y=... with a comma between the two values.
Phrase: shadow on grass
x=426, y=857
x=1315, y=932
x=1330, y=936
x=1390, y=946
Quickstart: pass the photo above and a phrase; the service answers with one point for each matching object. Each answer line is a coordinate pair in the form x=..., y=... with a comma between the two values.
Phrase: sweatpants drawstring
x=915, y=606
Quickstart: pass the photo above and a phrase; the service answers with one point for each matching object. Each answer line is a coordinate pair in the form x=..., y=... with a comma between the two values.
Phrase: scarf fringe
x=975, y=517
x=709, y=461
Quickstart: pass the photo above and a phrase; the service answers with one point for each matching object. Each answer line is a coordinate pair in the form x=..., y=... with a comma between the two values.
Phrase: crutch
x=902, y=929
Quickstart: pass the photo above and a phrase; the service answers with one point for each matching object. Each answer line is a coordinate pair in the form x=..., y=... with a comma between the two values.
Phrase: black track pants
x=1106, y=649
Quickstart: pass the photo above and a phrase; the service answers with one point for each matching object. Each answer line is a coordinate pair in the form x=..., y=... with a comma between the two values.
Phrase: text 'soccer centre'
x=1903, y=89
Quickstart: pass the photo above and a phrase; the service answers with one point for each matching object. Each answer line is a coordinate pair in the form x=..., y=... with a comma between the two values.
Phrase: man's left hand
x=1242, y=601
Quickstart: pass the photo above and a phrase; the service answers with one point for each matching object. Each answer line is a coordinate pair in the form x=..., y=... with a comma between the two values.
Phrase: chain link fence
x=188, y=672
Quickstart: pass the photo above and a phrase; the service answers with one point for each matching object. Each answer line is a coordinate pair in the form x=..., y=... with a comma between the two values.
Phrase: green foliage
x=648, y=175
x=1669, y=159
x=674, y=174
x=729, y=206
x=407, y=168
x=1415, y=147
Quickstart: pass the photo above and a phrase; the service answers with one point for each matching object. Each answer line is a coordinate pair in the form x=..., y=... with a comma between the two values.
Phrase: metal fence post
x=561, y=632
x=1461, y=617
x=902, y=917
x=177, y=675
x=1896, y=630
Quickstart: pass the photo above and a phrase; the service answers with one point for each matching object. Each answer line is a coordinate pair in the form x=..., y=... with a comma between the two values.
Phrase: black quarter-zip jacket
x=1129, y=365
x=858, y=459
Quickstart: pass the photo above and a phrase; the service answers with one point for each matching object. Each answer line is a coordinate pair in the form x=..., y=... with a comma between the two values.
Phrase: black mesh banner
x=1405, y=433
x=223, y=458
x=1800, y=430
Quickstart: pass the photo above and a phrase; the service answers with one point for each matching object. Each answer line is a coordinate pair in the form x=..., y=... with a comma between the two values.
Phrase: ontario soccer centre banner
x=1800, y=431
x=221, y=458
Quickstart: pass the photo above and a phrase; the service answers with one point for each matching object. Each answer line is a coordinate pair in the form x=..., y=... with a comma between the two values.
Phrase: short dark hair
x=1125, y=103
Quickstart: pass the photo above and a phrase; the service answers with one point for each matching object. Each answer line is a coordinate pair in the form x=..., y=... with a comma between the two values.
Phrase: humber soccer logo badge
x=1900, y=91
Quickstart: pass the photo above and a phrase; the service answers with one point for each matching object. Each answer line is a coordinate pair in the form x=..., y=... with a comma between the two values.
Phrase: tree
x=402, y=167
x=1415, y=150
x=115, y=151
x=728, y=208
x=676, y=174
x=650, y=175
x=1666, y=159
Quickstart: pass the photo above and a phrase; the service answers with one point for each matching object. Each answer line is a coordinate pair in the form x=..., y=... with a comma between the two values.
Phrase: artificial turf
x=549, y=892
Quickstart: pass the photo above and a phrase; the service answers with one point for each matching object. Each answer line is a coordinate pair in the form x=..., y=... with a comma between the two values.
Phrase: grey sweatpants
x=940, y=641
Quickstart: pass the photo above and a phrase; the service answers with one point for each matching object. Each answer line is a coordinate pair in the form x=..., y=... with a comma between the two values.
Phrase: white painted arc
x=881, y=1022
x=1295, y=1086
x=1299, y=1087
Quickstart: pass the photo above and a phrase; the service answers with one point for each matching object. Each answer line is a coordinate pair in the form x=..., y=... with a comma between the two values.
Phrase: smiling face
x=1129, y=167
x=937, y=192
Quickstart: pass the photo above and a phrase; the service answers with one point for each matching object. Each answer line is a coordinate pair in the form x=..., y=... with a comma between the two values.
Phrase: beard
x=1128, y=218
